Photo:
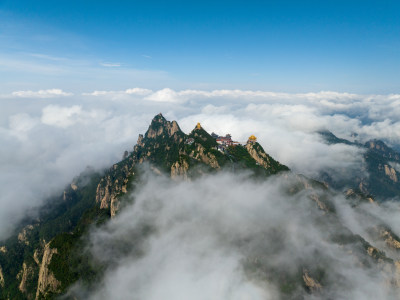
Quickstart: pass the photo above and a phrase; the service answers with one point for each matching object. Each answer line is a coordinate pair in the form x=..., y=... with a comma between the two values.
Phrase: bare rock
x=47, y=281
x=2, y=282
x=179, y=169
x=391, y=172
x=312, y=284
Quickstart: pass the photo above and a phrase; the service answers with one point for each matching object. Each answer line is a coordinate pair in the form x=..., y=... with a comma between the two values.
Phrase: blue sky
x=293, y=46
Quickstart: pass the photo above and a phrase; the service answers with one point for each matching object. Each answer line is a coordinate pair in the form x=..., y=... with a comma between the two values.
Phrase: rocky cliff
x=47, y=283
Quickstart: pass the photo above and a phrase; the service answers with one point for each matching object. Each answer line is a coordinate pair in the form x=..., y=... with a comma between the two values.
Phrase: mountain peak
x=159, y=118
x=160, y=126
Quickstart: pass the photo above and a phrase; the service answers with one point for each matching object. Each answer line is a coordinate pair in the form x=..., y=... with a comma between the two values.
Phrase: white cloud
x=21, y=124
x=228, y=237
x=138, y=91
x=165, y=95
x=132, y=91
x=98, y=93
x=59, y=116
x=51, y=93
x=43, y=139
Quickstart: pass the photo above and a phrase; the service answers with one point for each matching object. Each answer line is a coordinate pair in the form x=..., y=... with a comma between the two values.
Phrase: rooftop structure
x=252, y=139
x=224, y=140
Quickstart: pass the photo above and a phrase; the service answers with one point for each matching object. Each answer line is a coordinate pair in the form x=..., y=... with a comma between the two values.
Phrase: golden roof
x=252, y=138
x=198, y=126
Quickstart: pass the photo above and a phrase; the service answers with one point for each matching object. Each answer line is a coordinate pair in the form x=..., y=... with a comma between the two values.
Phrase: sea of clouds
x=227, y=236
x=49, y=136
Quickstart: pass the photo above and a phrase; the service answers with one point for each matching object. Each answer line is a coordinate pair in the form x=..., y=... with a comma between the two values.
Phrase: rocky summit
x=48, y=255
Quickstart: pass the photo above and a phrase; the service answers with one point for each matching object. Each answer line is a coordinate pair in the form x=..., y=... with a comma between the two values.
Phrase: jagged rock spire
x=159, y=118
x=159, y=126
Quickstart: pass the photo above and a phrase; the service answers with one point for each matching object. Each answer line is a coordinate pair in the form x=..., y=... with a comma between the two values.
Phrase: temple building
x=252, y=139
x=225, y=140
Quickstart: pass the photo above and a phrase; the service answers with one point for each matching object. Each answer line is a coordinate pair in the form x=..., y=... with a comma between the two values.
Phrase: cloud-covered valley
x=229, y=237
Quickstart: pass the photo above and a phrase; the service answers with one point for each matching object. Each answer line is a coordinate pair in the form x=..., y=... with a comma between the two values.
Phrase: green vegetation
x=203, y=138
x=71, y=262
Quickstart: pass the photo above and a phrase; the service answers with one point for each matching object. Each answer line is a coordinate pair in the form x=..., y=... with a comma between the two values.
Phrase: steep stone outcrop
x=2, y=282
x=391, y=172
x=263, y=159
x=74, y=187
x=312, y=284
x=23, y=235
x=36, y=256
x=3, y=249
x=160, y=126
x=25, y=274
x=390, y=239
x=140, y=140
x=112, y=185
x=320, y=204
x=206, y=157
x=47, y=282
x=260, y=157
x=179, y=169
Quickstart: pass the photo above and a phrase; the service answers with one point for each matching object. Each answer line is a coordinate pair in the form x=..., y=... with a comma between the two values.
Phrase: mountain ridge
x=381, y=180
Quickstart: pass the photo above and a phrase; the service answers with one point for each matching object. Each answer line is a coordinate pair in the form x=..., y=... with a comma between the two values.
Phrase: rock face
x=391, y=172
x=112, y=185
x=160, y=126
x=2, y=282
x=311, y=284
x=262, y=158
x=206, y=157
x=179, y=169
x=390, y=240
x=24, y=274
x=47, y=281
x=22, y=236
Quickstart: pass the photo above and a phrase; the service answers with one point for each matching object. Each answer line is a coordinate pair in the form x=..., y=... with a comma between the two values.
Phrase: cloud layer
x=49, y=136
x=228, y=237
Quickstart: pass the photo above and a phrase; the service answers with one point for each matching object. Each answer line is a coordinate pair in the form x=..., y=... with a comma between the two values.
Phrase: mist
x=227, y=236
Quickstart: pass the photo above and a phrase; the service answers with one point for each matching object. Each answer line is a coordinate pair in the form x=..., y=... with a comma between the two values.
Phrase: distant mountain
x=47, y=255
x=379, y=175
